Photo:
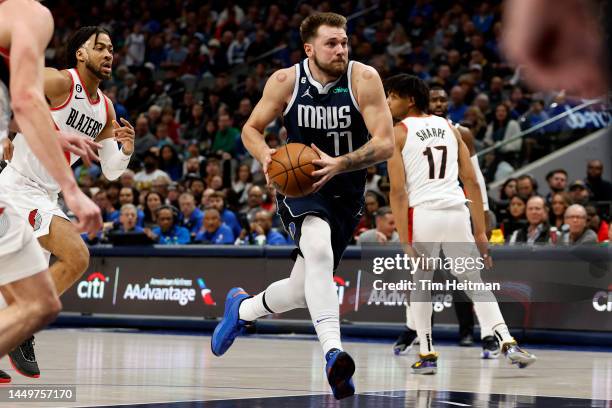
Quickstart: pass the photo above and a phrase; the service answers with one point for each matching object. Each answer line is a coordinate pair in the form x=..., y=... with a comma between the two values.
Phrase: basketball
x=291, y=168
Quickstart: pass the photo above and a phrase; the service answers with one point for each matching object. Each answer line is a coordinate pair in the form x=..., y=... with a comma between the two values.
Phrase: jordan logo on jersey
x=83, y=123
x=324, y=117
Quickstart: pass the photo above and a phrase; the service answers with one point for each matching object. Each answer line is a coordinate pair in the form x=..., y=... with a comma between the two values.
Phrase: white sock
x=320, y=291
x=485, y=331
x=422, y=317
x=279, y=297
x=503, y=334
x=3, y=303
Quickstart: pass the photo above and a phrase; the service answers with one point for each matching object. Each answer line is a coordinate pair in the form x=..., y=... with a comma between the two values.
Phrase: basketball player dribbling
x=25, y=30
x=338, y=107
x=438, y=105
x=429, y=159
x=77, y=106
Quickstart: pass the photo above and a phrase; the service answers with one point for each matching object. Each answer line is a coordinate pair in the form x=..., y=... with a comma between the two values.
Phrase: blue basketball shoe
x=230, y=326
x=339, y=369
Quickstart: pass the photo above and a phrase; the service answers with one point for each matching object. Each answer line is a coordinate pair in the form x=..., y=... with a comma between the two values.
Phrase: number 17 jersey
x=431, y=162
x=328, y=116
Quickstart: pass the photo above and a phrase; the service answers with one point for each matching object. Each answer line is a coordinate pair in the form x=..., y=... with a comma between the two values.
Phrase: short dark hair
x=382, y=211
x=553, y=172
x=310, y=25
x=406, y=86
x=77, y=40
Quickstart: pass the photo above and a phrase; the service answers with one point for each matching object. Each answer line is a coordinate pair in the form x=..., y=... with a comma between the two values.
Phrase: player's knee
x=321, y=250
x=79, y=258
x=43, y=310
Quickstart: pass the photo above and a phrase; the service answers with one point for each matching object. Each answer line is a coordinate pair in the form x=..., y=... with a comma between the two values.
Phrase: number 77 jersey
x=328, y=116
x=431, y=161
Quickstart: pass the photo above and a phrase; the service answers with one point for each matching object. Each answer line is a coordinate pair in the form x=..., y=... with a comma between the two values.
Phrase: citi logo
x=602, y=301
x=92, y=287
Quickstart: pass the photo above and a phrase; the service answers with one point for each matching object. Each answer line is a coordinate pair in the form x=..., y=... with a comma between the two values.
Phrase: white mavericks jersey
x=430, y=157
x=79, y=115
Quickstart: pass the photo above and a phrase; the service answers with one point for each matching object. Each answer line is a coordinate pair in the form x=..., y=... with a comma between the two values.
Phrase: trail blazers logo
x=35, y=219
x=4, y=222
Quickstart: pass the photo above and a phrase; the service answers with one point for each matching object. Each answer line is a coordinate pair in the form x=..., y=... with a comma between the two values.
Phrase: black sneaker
x=4, y=378
x=490, y=348
x=466, y=341
x=23, y=359
x=404, y=342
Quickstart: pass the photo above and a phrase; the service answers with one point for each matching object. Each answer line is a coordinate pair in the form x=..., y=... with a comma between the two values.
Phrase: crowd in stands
x=187, y=75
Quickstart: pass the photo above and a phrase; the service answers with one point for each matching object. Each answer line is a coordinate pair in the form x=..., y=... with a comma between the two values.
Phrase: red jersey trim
x=85, y=89
x=67, y=101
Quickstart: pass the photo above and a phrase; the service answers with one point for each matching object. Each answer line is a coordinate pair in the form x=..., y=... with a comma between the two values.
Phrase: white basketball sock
x=279, y=297
x=409, y=318
x=422, y=311
x=320, y=291
x=489, y=315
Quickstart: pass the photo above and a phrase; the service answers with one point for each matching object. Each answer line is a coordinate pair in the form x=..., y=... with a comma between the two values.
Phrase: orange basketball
x=291, y=169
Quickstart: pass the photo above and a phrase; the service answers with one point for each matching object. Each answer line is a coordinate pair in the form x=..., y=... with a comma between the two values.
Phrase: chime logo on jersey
x=83, y=123
x=93, y=286
x=324, y=117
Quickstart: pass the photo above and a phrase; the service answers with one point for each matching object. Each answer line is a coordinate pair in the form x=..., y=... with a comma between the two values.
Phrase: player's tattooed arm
x=377, y=117
x=370, y=95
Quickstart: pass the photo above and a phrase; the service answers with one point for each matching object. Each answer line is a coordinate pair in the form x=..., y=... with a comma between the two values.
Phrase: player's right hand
x=7, y=149
x=81, y=146
x=483, y=246
x=87, y=212
x=265, y=160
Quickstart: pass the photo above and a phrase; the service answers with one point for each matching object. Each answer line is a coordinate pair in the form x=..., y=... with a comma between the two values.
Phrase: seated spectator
x=213, y=168
x=128, y=195
x=127, y=220
x=372, y=204
x=537, y=230
x=226, y=137
x=168, y=233
x=254, y=203
x=174, y=191
x=196, y=186
x=495, y=167
x=506, y=192
x=214, y=231
x=217, y=201
x=170, y=162
x=579, y=193
x=557, y=182
x=601, y=189
x=242, y=183
x=526, y=186
x=152, y=203
x=559, y=203
x=595, y=223
x=372, y=179
x=144, y=138
x=578, y=233
x=515, y=217
x=127, y=179
x=109, y=213
x=191, y=217
x=384, y=231
x=457, y=106
x=262, y=232
x=145, y=177
x=504, y=128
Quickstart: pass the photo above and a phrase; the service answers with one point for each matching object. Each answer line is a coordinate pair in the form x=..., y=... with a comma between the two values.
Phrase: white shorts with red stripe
x=20, y=254
x=448, y=229
x=33, y=203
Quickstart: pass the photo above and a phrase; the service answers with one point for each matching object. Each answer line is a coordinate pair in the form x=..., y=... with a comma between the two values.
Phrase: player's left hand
x=125, y=135
x=328, y=167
